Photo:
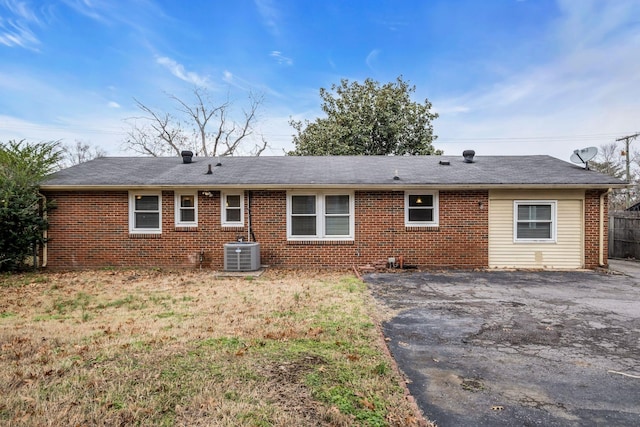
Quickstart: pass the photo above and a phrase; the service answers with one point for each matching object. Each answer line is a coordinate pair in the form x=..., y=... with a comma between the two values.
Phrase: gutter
x=396, y=186
x=45, y=232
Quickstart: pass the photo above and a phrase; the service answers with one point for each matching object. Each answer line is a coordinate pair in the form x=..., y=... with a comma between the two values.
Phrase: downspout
x=250, y=235
x=601, y=231
x=45, y=232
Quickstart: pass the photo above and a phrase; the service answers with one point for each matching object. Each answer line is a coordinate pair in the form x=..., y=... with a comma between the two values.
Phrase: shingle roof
x=329, y=171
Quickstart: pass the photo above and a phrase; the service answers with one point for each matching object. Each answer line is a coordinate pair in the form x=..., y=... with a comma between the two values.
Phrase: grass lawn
x=183, y=348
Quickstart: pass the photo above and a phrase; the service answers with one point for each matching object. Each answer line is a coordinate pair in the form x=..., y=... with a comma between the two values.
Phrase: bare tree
x=610, y=160
x=81, y=152
x=200, y=125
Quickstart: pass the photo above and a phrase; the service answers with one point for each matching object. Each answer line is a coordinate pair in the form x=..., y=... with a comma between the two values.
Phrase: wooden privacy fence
x=624, y=235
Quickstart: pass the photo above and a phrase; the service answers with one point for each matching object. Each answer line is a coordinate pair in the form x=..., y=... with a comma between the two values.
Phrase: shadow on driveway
x=516, y=348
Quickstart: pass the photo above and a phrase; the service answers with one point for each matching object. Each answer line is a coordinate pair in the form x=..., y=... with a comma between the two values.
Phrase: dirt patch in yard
x=184, y=348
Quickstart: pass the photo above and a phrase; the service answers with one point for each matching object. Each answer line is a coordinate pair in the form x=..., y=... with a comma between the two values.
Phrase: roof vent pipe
x=468, y=155
x=186, y=156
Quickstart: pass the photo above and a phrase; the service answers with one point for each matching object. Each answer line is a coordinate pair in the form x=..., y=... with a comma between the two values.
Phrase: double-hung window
x=145, y=212
x=534, y=221
x=232, y=210
x=186, y=209
x=421, y=208
x=320, y=216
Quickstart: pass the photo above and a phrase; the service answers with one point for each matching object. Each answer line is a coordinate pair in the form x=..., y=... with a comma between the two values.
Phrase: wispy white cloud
x=101, y=131
x=179, y=71
x=269, y=14
x=280, y=58
x=371, y=58
x=94, y=9
x=231, y=79
x=16, y=25
x=590, y=87
x=113, y=104
x=21, y=9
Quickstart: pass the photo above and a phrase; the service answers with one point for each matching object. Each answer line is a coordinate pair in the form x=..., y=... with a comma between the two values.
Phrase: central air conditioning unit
x=242, y=256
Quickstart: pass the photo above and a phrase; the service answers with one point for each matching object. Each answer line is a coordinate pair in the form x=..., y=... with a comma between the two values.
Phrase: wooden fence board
x=624, y=235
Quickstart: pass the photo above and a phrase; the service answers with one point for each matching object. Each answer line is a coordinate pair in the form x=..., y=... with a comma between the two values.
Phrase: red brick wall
x=592, y=228
x=90, y=230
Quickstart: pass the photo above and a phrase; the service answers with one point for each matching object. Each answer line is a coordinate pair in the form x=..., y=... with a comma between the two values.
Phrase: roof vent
x=444, y=162
x=186, y=156
x=468, y=155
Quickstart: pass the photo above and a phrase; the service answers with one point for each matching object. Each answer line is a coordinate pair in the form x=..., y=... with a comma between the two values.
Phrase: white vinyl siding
x=566, y=251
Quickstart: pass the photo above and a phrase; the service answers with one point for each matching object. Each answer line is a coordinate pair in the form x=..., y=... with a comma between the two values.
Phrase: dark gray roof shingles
x=365, y=171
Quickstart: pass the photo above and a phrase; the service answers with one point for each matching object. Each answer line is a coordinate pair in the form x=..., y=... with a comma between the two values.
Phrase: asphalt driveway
x=516, y=348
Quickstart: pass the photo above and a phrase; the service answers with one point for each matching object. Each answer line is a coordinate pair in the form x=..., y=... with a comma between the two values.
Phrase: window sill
x=421, y=228
x=239, y=227
x=145, y=235
x=319, y=242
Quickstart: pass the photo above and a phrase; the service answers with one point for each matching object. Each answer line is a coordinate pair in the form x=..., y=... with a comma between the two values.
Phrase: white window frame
x=223, y=209
x=554, y=220
x=178, y=208
x=321, y=215
x=132, y=212
x=436, y=208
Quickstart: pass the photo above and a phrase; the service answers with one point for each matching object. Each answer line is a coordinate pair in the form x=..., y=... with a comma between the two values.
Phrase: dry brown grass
x=184, y=348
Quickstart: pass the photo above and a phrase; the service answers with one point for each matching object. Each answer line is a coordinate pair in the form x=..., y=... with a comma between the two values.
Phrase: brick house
x=433, y=211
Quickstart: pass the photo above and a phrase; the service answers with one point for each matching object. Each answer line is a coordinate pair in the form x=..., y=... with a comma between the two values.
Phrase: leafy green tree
x=367, y=119
x=22, y=221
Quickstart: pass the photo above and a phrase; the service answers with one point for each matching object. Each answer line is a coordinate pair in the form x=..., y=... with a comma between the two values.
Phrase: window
x=232, y=210
x=186, y=210
x=421, y=209
x=320, y=216
x=535, y=221
x=145, y=213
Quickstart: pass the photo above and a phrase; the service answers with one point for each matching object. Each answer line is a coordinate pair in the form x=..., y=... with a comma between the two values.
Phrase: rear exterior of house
x=329, y=212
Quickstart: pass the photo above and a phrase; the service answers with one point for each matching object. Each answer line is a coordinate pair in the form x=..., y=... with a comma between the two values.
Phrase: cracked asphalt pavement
x=516, y=348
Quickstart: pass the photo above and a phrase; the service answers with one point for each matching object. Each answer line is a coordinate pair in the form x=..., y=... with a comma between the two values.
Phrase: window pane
x=303, y=205
x=187, y=215
x=303, y=225
x=233, y=215
x=534, y=230
x=233, y=201
x=146, y=203
x=421, y=215
x=147, y=220
x=534, y=212
x=337, y=225
x=337, y=205
x=420, y=200
x=187, y=201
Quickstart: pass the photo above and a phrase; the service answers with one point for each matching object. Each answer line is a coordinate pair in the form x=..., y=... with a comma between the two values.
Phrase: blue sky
x=506, y=76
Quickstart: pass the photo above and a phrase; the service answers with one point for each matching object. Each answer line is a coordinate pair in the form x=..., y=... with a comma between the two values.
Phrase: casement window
x=534, y=221
x=186, y=209
x=421, y=208
x=320, y=216
x=145, y=212
x=232, y=209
